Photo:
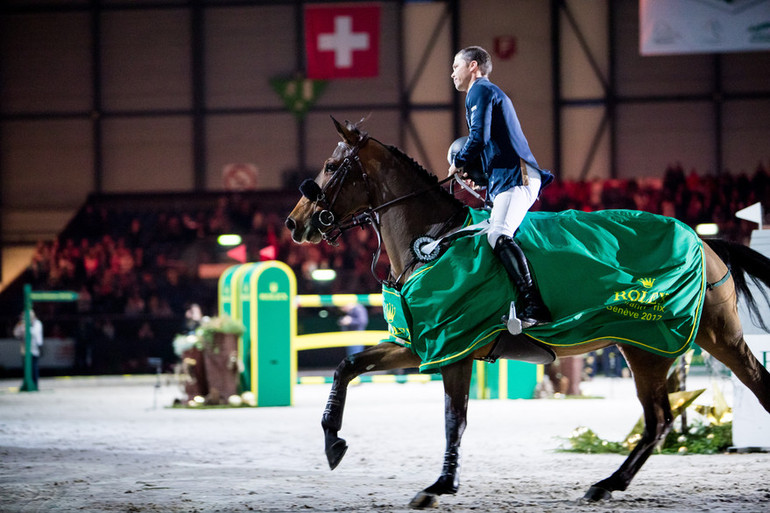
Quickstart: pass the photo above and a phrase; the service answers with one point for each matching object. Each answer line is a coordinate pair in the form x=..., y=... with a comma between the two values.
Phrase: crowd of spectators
x=143, y=263
x=688, y=196
x=146, y=262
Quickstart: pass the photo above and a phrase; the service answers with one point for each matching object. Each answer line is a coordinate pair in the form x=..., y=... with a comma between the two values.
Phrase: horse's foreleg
x=649, y=372
x=457, y=381
x=383, y=356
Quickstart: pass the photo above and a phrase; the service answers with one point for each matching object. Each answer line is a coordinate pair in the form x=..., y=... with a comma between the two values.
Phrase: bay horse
x=367, y=182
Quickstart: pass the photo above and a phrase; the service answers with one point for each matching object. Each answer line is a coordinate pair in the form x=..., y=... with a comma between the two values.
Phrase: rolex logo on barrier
x=273, y=294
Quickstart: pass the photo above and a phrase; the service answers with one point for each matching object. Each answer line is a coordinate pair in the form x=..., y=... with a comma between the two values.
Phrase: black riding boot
x=533, y=309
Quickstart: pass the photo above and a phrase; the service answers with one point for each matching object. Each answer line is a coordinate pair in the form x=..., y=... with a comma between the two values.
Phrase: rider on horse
x=497, y=145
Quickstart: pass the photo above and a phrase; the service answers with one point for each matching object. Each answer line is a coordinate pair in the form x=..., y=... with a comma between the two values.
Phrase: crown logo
x=647, y=282
x=390, y=313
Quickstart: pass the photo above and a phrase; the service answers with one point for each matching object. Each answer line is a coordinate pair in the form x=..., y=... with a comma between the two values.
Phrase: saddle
x=520, y=347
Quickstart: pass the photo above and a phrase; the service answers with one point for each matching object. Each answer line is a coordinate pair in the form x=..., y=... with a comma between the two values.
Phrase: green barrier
x=339, y=299
x=272, y=321
x=505, y=379
x=225, y=292
x=230, y=289
x=261, y=295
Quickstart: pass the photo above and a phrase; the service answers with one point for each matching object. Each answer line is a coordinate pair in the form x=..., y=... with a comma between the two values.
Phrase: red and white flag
x=342, y=40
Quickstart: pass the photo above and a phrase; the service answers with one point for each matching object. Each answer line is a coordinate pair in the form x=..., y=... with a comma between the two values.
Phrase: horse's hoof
x=596, y=494
x=424, y=500
x=335, y=453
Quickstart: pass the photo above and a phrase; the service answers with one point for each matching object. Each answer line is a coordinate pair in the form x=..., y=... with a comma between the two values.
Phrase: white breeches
x=511, y=206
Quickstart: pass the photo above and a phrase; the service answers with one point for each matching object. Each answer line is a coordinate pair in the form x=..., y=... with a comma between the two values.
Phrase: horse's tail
x=742, y=260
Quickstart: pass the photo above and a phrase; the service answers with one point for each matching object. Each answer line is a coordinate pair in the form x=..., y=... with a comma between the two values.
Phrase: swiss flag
x=342, y=40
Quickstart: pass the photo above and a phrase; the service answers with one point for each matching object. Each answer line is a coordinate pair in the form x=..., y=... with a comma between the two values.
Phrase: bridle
x=329, y=224
x=325, y=220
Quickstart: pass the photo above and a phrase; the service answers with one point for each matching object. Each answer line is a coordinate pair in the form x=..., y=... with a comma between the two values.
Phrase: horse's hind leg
x=383, y=356
x=721, y=335
x=650, y=372
x=720, y=332
x=738, y=357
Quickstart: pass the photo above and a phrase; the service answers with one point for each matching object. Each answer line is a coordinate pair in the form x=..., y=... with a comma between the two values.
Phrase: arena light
x=229, y=239
x=707, y=229
x=324, y=274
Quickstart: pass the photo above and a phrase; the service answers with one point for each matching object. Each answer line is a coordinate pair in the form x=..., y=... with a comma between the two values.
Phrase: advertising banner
x=669, y=27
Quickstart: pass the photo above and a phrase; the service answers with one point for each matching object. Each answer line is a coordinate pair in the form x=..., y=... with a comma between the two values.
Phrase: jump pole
x=338, y=338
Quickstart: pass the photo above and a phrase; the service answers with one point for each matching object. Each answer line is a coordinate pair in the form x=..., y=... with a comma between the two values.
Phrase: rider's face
x=462, y=73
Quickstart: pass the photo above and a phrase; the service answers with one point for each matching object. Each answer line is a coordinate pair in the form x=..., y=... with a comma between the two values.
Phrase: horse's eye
x=331, y=167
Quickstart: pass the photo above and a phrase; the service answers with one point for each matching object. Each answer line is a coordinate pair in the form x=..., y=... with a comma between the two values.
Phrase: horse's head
x=338, y=192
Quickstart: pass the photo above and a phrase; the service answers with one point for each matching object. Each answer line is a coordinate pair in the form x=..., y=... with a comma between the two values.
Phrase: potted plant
x=218, y=339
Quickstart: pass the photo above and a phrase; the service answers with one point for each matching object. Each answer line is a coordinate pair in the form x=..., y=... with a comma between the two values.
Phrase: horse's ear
x=348, y=132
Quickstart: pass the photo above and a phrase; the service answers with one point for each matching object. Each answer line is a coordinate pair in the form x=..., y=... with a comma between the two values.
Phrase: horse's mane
x=424, y=173
x=429, y=177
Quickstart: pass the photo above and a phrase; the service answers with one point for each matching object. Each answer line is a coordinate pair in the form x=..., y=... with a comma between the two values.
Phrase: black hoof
x=596, y=494
x=424, y=500
x=335, y=453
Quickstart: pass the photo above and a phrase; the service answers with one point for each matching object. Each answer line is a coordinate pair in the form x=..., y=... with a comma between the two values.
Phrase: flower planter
x=221, y=365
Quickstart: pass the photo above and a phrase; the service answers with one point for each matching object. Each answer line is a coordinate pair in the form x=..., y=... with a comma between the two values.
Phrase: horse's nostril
x=290, y=224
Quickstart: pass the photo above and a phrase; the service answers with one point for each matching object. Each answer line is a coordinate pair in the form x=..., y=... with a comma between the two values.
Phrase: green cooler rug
x=632, y=276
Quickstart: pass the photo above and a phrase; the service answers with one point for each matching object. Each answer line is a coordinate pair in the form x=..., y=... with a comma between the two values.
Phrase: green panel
x=230, y=289
x=522, y=379
x=492, y=382
x=274, y=295
x=225, y=292
x=477, y=385
x=486, y=380
x=244, y=343
x=232, y=301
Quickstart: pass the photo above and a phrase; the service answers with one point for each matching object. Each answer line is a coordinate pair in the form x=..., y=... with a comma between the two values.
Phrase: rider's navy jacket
x=496, y=138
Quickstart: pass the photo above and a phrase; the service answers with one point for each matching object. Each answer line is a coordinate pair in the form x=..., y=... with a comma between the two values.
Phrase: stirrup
x=512, y=322
x=516, y=324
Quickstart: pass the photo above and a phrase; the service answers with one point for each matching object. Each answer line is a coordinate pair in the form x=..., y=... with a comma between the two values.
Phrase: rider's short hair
x=478, y=54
